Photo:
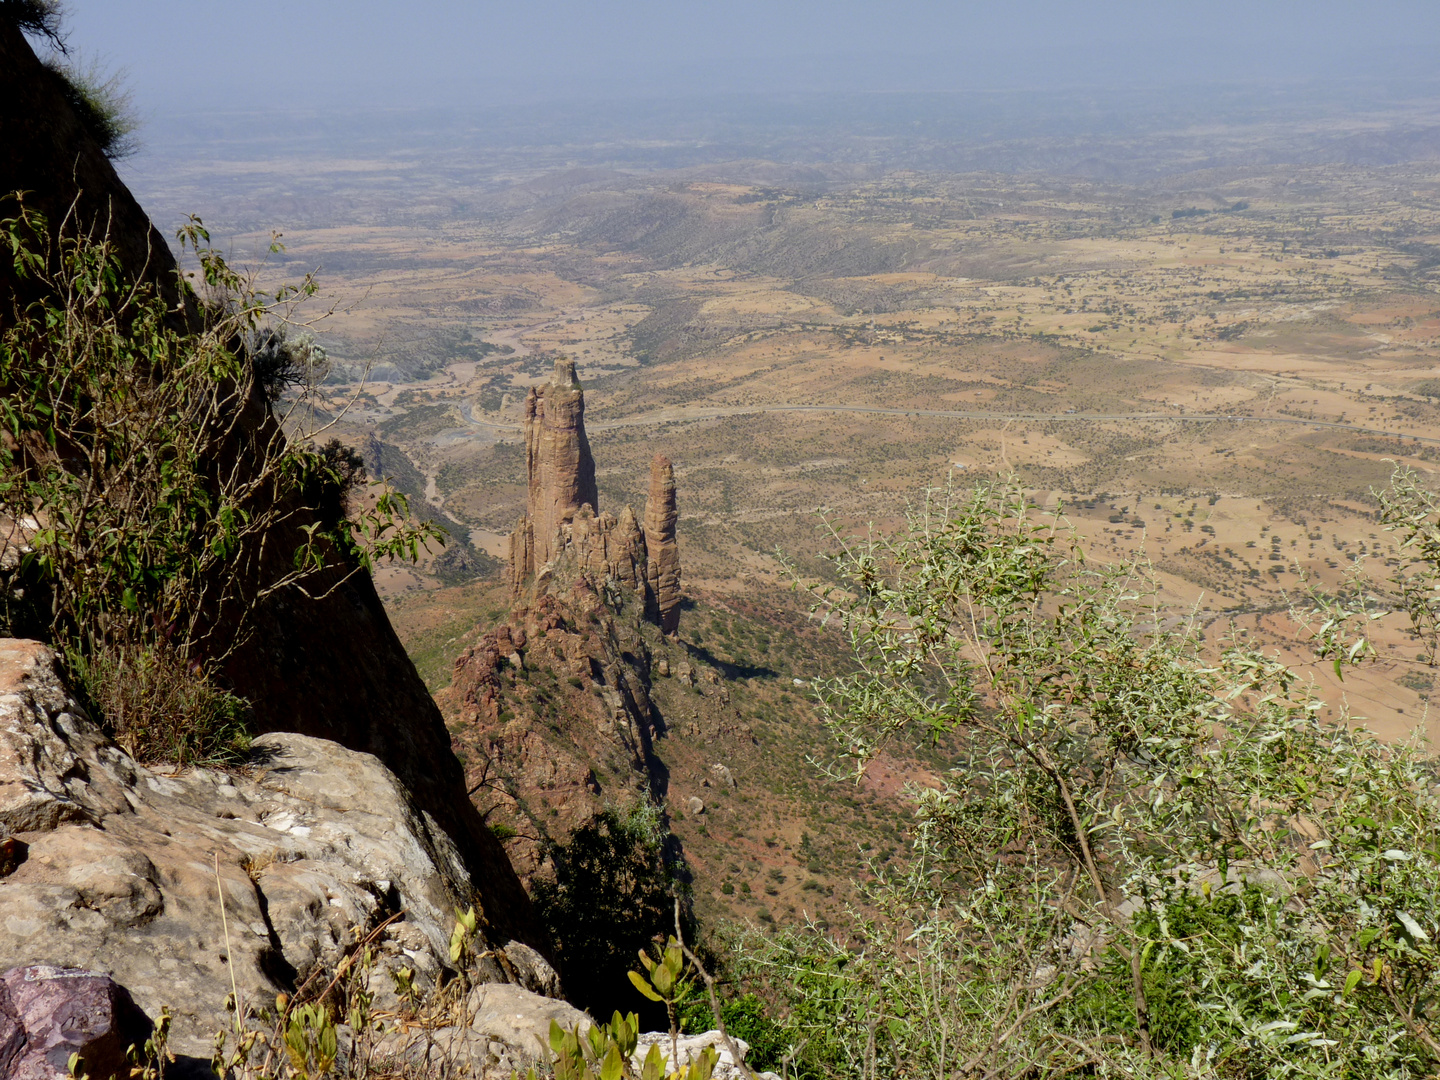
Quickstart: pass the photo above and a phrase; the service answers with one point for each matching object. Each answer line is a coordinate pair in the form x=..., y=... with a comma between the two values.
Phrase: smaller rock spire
x=662, y=570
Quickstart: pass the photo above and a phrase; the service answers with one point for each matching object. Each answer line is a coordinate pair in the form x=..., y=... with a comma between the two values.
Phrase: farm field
x=1152, y=360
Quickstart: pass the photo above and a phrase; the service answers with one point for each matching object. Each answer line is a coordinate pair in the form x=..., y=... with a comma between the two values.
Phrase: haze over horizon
x=179, y=57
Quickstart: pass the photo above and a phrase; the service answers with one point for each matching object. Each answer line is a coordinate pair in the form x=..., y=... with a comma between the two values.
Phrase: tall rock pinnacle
x=563, y=517
x=662, y=571
x=560, y=470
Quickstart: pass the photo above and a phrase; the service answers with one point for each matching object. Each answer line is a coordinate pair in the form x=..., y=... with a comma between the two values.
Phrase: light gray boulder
x=688, y=1049
x=118, y=868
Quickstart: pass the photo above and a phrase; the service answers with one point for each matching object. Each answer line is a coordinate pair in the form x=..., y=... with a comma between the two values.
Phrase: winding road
x=688, y=413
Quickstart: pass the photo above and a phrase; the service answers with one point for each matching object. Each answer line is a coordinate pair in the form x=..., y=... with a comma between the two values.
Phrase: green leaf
x=613, y=1066
x=1351, y=981
x=1413, y=928
x=640, y=983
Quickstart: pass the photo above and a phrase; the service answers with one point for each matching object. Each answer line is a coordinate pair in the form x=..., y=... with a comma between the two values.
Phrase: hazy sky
x=271, y=53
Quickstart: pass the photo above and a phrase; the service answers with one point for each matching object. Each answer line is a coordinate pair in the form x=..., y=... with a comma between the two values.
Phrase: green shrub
x=101, y=104
x=611, y=893
x=1147, y=862
x=145, y=472
x=161, y=709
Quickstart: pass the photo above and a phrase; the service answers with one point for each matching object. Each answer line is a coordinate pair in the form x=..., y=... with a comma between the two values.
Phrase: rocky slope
x=112, y=866
x=593, y=595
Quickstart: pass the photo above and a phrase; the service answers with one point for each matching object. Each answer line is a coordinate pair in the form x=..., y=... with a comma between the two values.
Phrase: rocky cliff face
x=115, y=867
x=331, y=668
x=563, y=532
x=51, y=158
x=572, y=656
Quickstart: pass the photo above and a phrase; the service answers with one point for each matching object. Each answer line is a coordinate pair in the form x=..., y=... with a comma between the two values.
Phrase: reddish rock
x=540, y=778
x=564, y=532
x=560, y=471
x=48, y=1013
x=663, y=569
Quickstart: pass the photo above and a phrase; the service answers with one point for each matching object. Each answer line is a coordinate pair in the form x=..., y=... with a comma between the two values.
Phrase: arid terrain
x=1208, y=358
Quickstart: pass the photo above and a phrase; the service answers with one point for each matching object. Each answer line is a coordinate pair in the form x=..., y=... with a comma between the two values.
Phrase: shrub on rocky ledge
x=150, y=457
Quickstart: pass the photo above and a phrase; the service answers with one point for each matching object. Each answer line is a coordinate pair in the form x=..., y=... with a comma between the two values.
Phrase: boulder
x=49, y=1013
x=499, y=1031
x=124, y=868
x=688, y=1048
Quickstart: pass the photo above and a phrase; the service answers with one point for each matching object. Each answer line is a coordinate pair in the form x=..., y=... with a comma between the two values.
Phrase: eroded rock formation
x=564, y=531
x=663, y=571
x=560, y=471
x=116, y=868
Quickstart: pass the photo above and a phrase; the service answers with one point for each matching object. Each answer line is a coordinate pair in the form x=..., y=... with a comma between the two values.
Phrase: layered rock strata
x=563, y=530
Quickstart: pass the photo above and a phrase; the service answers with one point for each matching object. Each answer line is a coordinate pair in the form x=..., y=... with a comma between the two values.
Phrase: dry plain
x=1159, y=361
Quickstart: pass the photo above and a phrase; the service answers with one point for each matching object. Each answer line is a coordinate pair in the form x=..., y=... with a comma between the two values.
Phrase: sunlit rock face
x=663, y=571
x=563, y=529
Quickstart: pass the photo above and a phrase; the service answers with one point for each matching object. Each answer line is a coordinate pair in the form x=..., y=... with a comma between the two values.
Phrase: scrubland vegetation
x=1062, y=774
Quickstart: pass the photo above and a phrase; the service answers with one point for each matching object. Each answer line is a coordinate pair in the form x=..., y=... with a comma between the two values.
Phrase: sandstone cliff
x=331, y=668
x=552, y=710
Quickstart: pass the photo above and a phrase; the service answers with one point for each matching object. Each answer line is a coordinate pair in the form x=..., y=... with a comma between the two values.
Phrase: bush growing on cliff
x=612, y=892
x=99, y=99
x=149, y=468
x=1151, y=863
x=38, y=17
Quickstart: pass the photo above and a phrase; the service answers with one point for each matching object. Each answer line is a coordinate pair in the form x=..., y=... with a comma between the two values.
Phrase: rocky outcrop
x=332, y=666
x=564, y=533
x=662, y=573
x=123, y=870
x=575, y=659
